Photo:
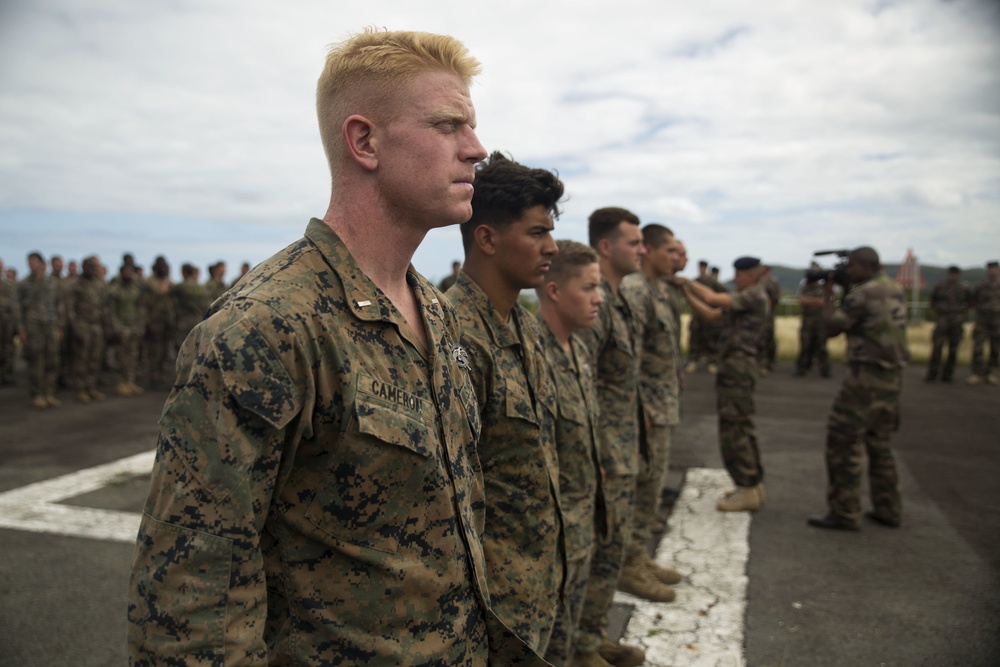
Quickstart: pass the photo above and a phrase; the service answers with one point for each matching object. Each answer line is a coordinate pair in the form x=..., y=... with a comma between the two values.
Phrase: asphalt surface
x=925, y=594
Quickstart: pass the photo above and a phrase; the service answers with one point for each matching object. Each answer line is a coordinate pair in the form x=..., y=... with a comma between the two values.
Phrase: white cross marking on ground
x=35, y=507
x=704, y=626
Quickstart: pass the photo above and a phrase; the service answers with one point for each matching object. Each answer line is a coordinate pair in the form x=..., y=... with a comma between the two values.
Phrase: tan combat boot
x=973, y=379
x=52, y=401
x=97, y=395
x=82, y=396
x=742, y=499
x=136, y=389
x=592, y=659
x=621, y=655
x=663, y=574
x=636, y=580
x=39, y=402
x=123, y=389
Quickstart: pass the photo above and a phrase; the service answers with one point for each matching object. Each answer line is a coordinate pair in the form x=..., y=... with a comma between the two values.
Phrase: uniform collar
x=500, y=332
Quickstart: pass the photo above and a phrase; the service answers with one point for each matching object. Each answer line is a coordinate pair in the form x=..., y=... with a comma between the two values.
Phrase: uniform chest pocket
x=383, y=473
x=518, y=402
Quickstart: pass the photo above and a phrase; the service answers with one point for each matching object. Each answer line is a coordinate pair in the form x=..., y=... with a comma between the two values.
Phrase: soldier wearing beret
x=743, y=316
x=986, y=301
x=317, y=496
x=873, y=315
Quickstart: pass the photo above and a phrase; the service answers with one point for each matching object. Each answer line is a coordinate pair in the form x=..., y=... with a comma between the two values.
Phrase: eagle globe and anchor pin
x=460, y=357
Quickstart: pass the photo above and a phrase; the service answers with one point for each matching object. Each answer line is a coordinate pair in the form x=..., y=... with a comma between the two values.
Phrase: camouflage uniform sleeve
x=851, y=311
x=197, y=594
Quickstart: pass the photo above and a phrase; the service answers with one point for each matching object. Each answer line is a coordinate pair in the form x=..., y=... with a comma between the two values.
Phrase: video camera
x=838, y=274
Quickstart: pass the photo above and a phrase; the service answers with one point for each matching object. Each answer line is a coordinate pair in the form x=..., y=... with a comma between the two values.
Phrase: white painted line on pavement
x=704, y=626
x=35, y=507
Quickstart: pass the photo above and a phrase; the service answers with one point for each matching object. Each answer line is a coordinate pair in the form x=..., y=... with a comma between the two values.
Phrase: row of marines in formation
x=354, y=468
x=71, y=326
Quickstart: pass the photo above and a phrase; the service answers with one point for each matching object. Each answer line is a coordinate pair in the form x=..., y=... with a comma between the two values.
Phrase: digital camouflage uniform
x=190, y=303
x=523, y=542
x=873, y=315
x=704, y=337
x=950, y=302
x=676, y=300
x=89, y=319
x=736, y=381
x=610, y=343
x=986, y=300
x=214, y=288
x=128, y=321
x=10, y=322
x=767, y=348
x=659, y=389
x=42, y=316
x=161, y=320
x=316, y=497
x=812, y=332
x=580, y=491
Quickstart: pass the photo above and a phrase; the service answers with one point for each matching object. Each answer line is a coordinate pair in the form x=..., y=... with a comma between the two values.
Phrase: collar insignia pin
x=459, y=355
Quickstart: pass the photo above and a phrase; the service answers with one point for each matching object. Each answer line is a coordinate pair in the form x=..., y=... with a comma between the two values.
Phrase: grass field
x=786, y=331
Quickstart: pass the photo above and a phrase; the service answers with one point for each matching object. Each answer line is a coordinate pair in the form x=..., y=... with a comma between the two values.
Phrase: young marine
x=743, y=318
x=509, y=247
x=568, y=302
x=317, y=496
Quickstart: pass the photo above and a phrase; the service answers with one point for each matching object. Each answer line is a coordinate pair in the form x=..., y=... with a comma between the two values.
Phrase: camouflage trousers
x=734, y=387
x=88, y=355
x=7, y=332
x=158, y=344
x=812, y=345
x=606, y=563
x=561, y=643
x=767, y=347
x=945, y=331
x=127, y=353
x=986, y=329
x=866, y=409
x=42, y=354
x=649, y=489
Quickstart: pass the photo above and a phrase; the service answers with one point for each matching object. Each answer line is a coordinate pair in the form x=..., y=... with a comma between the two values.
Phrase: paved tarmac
x=926, y=594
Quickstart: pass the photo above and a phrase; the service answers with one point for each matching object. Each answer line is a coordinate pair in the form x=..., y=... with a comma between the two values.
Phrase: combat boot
x=663, y=574
x=712, y=369
x=97, y=395
x=82, y=396
x=973, y=379
x=52, y=401
x=742, y=499
x=621, y=655
x=691, y=367
x=638, y=581
x=136, y=389
x=39, y=402
x=123, y=389
x=993, y=379
x=592, y=659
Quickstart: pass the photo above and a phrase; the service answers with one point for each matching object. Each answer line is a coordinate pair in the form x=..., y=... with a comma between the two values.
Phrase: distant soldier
x=190, y=303
x=215, y=286
x=89, y=323
x=508, y=247
x=42, y=316
x=244, y=269
x=768, y=348
x=10, y=323
x=743, y=316
x=812, y=331
x=697, y=348
x=128, y=323
x=568, y=302
x=873, y=315
x=950, y=300
x=449, y=280
x=161, y=320
x=65, y=372
x=659, y=392
x=986, y=301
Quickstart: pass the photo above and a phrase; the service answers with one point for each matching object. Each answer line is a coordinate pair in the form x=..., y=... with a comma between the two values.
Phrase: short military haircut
x=867, y=256
x=655, y=235
x=954, y=269
x=702, y=263
x=569, y=262
x=187, y=270
x=504, y=190
x=36, y=255
x=604, y=223
x=363, y=75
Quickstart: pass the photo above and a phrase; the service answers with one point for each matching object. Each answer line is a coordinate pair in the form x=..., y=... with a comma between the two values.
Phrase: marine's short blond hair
x=363, y=73
x=569, y=262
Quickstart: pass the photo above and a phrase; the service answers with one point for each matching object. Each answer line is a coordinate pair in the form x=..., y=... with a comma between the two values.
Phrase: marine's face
x=662, y=259
x=993, y=273
x=36, y=266
x=856, y=271
x=525, y=248
x=427, y=152
x=681, y=257
x=57, y=266
x=744, y=279
x=580, y=298
x=626, y=250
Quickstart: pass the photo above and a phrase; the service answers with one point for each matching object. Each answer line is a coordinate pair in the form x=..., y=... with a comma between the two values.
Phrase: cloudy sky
x=187, y=127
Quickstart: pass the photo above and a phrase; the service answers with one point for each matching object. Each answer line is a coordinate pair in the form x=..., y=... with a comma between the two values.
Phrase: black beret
x=744, y=263
x=992, y=265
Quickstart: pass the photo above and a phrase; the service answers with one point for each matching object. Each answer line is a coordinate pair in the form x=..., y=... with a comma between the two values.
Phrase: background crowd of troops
x=73, y=326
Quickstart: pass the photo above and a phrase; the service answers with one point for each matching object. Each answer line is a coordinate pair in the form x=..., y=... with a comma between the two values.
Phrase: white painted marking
x=704, y=626
x=35, y=507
